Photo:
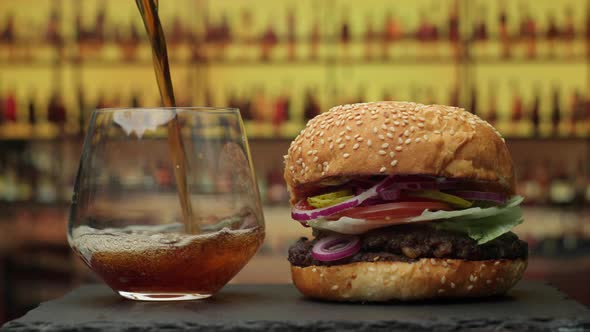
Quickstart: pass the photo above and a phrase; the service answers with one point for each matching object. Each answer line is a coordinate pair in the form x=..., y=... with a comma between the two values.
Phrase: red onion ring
x=304, y=215
x=335, y=247
x=480, y=195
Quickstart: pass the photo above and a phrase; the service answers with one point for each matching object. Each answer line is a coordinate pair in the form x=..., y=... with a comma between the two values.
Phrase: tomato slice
x=390, y=211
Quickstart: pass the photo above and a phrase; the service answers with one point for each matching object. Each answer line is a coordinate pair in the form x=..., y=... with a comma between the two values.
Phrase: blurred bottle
x=10, y=111
x=52, y=33
x=31, y=109
x=392, y=31
x=503, y=29
x=528, y=184
x=291, y=28
x=453, y=25
x=370, y=37
x=561, y=190
x=492, y=112
x=276, y=189
x=552, y=33
x=528, y=32
x=268, y=42
x=587, y=30
x=473, y=106
x=517, y=108
x=345, y=35
x=555, y=111
x=135, y=99
x=315, y=39
x=7, y=35
x=480, y=30
x=580, y=183
x=311, y=106
x=577, y=110
x=260, y=105
x=1, y=105
x=569, y=31
x=280, y=112
x=56, y=110
x=246, y=106
x=82, y=116
x=535, y=110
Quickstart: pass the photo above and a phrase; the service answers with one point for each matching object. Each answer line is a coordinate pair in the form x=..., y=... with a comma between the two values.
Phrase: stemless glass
x=126, y=220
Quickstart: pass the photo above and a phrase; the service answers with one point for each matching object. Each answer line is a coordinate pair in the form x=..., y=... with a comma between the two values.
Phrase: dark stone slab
x=530, y=306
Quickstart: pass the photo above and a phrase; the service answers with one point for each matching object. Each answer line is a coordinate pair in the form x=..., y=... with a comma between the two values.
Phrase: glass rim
x=202, y=109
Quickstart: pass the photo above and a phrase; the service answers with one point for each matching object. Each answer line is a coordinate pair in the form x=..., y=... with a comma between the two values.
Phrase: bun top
x=389, y=137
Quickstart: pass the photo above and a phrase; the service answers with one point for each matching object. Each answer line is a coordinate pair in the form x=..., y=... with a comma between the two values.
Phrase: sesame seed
x=374, y=116
x=497, y=262
x=443, y=279
x=393, y=163
x=348, y=128
x=321, y=133
x=398, y=148
x=387, y=121
x=291, y=167
x=407, y=133
x=355, y=146
x=358, y=123
x=347, y=137
x=383, y=169
x=396, y=123
x=369, y=142
x=359, y=139
x=452, y=284
x=400, y=140
x=299, y=149
x=339, y=140
x=432, y=261
x=341, y=133
x=384, y=127
x=314, y=270
x=381, y=152
x=390, y=135
x=356, y=135
x=331, y=146
x=440, y=291
x=346, y=155
x=437, y=132
x=408, y=141
x=421, y=125
x=452, y=132
x=315, y=158
x=322, y=141
x=335, y=287
x=426, y=137
x=392, y=129
x=319, y=167
x=381, y=137
x=412, y=128
x=384, y=145
x=418, y=139
x=371, y=268
x=392, y=154
x=469, y=287
x=341, y=146
x=375, y=130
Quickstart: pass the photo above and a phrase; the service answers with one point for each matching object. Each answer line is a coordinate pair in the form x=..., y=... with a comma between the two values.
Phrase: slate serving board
x=530, y=306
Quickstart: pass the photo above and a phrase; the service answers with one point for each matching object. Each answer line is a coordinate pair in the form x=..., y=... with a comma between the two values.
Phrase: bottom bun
x=427, y=278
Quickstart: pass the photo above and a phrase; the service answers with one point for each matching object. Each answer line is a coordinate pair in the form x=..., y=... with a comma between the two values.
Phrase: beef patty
x=407, y=243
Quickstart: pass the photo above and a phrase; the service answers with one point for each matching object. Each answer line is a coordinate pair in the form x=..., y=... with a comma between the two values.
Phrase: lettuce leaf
x=484, y=229
x=480, y=224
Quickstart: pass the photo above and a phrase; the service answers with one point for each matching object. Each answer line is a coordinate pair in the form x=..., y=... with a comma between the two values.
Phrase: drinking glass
x=127, y=219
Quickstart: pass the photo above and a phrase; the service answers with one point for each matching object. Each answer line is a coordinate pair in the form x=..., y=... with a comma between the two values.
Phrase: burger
x=406, y=202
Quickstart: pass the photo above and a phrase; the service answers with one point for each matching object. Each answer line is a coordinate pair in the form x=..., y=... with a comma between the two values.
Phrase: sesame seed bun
x=427, y=278
x=386, y=138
